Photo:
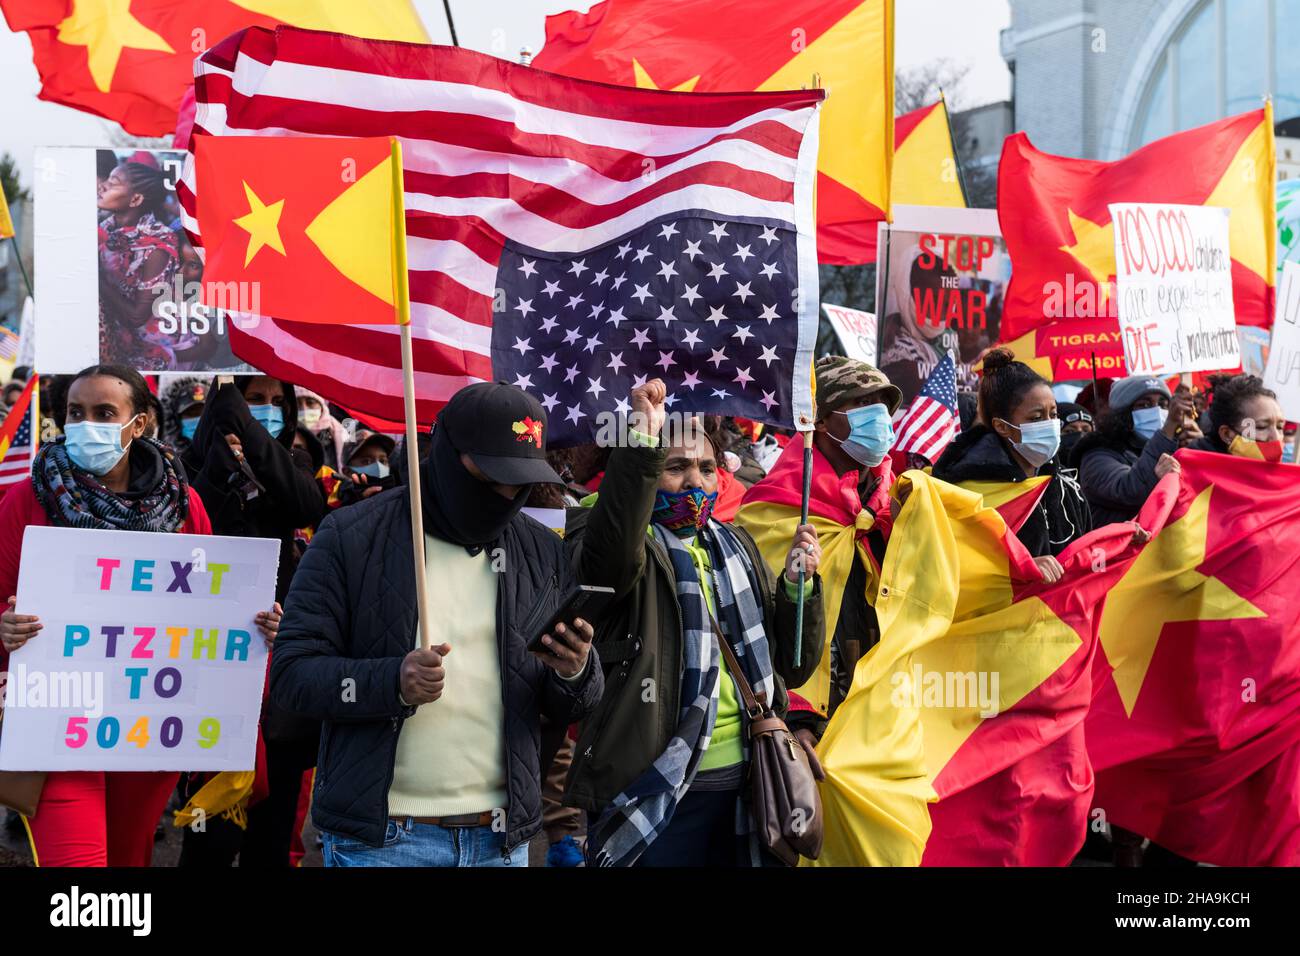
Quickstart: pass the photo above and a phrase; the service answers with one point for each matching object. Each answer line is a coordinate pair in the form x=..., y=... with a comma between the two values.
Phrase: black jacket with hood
x=352, y=614
x=289, y=496
x=1061, y=515
x=1116, y=476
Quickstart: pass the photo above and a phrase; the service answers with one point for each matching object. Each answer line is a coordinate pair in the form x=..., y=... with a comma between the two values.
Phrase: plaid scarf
x=73, y=498
x=643, y=811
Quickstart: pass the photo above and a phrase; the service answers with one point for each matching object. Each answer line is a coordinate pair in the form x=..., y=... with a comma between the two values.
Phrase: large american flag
x=931, y=421
x=553, y=224
x=17, y=441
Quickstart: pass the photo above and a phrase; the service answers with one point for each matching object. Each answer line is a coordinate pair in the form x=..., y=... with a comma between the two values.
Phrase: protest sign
x=117, y=279
x=1173, y=272
x=1282, y=374
x=149, y=658
x=856, y=331
x=940, y=279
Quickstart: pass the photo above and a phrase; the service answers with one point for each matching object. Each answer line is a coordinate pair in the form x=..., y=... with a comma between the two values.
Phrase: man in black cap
x=430, y=757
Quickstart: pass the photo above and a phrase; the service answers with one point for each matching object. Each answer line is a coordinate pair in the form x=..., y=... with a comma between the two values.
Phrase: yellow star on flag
x=262, y=224
x=645, y=82
x=1094, y=248
x=105, y=28
x=1161, y=586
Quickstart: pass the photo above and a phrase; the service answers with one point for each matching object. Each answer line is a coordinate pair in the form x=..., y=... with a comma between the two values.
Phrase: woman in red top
x=102, y=474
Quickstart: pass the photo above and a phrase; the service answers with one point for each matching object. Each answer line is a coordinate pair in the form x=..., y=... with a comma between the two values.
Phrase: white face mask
x=310, y=416
x=1039, y=441
x=95, y=447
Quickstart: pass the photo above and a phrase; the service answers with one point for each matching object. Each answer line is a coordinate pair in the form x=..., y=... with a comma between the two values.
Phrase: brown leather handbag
x=786, y=805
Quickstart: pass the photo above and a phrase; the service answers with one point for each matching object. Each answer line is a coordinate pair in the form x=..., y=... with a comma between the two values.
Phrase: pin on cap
x=503, y=430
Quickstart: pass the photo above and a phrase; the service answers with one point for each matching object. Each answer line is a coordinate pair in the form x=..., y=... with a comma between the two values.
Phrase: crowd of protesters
x=625, y=738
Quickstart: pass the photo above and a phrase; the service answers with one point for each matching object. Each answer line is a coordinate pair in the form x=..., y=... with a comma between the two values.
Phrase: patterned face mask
x=1244, y=447
x=683, y=511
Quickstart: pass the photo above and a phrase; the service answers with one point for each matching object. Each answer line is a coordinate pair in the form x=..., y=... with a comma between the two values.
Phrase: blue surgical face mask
x=1148, y=421
x=95, y=447
x=188, y=427
x=271, y=417
x=376, y=469
x=1039, y=441
x=871, y=434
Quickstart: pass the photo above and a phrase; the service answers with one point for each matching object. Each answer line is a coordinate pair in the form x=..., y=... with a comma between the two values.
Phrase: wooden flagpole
x=403, y=296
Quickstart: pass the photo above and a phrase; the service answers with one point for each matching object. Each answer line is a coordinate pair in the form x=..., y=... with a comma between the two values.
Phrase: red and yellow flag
x=132, y=60
x=961, y=740
x=771, y=511
x=1194, y=729
x=1167, y=669
x=14, y=418
x=925, y=163
x=730, y=45
x=1056, y=224
x=303, y=229
x=6, y=220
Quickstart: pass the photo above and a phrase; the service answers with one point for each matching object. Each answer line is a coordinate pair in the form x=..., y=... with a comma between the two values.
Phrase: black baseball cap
x=503, y=430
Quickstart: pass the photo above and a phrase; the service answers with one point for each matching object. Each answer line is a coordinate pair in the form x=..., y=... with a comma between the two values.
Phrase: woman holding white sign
x=104, y=473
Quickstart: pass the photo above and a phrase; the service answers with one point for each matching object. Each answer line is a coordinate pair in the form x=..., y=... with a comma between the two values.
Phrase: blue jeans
x=407, y=843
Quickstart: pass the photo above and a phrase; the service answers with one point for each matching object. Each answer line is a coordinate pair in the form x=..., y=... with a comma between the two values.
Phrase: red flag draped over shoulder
x=1056, y=224
x=1194, y=730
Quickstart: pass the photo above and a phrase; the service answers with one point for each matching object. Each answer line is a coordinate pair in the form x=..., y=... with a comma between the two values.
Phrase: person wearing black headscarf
x=254, y=483
x=243, y=464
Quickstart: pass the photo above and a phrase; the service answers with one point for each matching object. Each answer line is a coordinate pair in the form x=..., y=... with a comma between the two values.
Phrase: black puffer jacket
x=351, y=613
x=1061, y=515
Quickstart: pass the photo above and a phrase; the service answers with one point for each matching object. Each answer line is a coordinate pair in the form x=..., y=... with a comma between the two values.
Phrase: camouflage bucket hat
x=841, y=380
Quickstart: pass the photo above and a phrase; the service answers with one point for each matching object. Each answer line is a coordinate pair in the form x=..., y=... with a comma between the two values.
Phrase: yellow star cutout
x=262, y=225
x=1094, y=249
x=105, y=28
x=644, y=82
x=1163, y=585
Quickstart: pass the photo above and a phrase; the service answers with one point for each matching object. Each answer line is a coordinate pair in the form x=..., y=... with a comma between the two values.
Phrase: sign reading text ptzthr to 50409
x=149, y=657
x=1173, y=274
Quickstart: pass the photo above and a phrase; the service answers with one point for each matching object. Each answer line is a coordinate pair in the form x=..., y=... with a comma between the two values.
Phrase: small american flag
x=17, y=439
x=571, y=237
x=931, y=421
x=8, y=343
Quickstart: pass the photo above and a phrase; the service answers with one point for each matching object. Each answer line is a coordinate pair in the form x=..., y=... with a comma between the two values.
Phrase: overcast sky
x=966, y=33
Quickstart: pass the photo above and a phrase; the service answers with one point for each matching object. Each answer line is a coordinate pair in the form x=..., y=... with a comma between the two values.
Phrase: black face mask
x=457, y=506
x=1068, y=441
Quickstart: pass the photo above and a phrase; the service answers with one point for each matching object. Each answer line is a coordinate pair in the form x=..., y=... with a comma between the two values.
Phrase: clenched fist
x=648, y=412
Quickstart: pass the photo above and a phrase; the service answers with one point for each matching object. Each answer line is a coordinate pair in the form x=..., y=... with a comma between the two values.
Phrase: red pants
x=95, y=818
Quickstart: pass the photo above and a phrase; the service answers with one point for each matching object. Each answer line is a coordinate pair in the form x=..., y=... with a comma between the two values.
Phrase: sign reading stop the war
x=1173, y=273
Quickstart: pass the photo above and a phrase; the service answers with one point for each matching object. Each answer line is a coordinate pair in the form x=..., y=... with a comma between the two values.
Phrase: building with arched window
x=1099, y=78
